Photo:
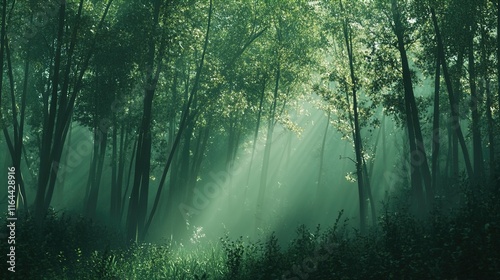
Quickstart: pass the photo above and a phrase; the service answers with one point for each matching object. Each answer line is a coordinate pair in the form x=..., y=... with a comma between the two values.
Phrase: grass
x=457, y=240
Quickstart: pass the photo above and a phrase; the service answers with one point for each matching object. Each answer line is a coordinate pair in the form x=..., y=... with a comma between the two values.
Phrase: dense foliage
x=168, y=118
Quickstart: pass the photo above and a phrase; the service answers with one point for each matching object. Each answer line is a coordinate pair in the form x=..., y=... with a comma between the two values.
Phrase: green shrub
x=458, y=239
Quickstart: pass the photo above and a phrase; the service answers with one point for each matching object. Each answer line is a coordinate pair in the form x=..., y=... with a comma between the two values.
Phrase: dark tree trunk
x=15, y=145
x=99, y=155
x=257, y=127
x=486, y=89
x=435, y=126
x=455, y=118
x=491, y=135
x=114, y=169
x=2, y=49
x=18, y=126
x=476, y=129
x=418, y=158
x=130, y=168
x=356, y=133
x=92, y=172
x=56, y=124
x=457, y=96
x=48, y=125
x=138, y=204
x=321, y=155
x=184, y=120
x=185, y=162
x=198, y=156
x=498, y=52
x=267, y=154
x=119, y=164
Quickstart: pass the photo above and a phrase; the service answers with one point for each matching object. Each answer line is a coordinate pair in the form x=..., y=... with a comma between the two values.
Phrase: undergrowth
x=458, y=240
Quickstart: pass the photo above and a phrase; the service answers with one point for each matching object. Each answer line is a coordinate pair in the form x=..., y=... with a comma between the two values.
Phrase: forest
x=250, y=139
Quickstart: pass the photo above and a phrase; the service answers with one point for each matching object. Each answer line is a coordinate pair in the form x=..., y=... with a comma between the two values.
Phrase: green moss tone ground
x=458, y=240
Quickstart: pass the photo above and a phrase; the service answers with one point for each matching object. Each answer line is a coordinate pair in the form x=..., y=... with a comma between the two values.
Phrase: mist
x=241, y=139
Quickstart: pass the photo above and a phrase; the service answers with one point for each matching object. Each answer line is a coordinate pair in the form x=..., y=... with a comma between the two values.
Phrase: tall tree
x=362, y=188
x=185, y=119
x=287, y=57
x=418, y=157
x=14, y=144
x=138, y=202
x=455, y=117
x=476, y=129
x=57, y=114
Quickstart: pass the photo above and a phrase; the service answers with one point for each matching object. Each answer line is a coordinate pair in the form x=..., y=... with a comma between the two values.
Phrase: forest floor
x=458, y=239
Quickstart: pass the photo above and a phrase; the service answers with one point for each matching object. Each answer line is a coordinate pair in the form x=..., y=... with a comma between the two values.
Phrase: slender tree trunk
x=131, y=165
x=486, y=89
x=369, y=193
x=118, y=165
x=491, y=134
x=267, y=154
x=185, y=158
x=100, y=144
x=449, y=158
x=418, y=158
x=384, y=142
x=178, y=191
x=2, y=58
x=2, y=51
x=92, y=169
x=64, y=110
x=321, y=155
x=15, y=145
x=198, y=156
x=498, y=52
x=184, y=119
x=62, y=179
x=476, y=130
x=257, y=127
x=232, y=149
x=357, y=133
x=455, y=118
x=96, y=180
x=49, y=123
x=56, y=124
x=114, y=168
x=435, y=126
x=16, y=148
x=138, y=204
